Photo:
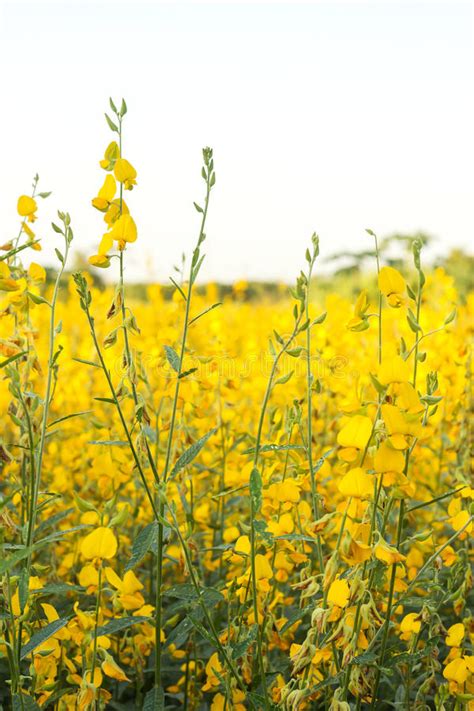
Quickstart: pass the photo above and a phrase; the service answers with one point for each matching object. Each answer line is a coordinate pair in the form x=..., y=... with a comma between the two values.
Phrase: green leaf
x=450, y=317
x=412, y=322
x=190, y=453
x=154, y=700
x=206, y=311
x=142, y=545
x=123, y=108
x=188, y=593
x=12, y=359
x=180, y=633
x=256, y=489
x=241, y=647
x=120, y=624
x=292, y=619
x=284, y=378
x=59, y=255
x=87, y=362
x=111, y=124
x=201, y=629
x=295, y=352
x=198, y=207
x=377, y=385
x=68, y=417
x=22, y=702
x=37, y=299
x=185, y=373
x=10, y=562
x=41, y=636
x=177, y=286
x=319, y=319
x=274, y=448
x=44, y=195
x=109, y=442
x=57, y=589
x=173, y=358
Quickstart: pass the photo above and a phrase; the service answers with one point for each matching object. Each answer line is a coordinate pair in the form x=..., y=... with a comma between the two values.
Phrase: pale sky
x=327, y=117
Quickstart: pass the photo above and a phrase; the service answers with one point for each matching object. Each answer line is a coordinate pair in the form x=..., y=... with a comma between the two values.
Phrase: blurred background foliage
x=346, y=273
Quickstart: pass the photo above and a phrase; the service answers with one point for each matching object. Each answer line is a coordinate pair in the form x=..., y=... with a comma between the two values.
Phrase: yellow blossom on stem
x=27, y=207
x=100, y=543
x=339, y=593
x=125, y=173
x=392, y=285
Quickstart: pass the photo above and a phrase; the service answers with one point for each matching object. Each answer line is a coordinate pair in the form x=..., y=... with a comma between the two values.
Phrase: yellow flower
x=399, y=425
x=388, y=459
x=106, y=194
x=394, y=370
x=89, y=576
x=100, y=543
x=99, y=260
x=387, y=554
x=37, y=273
x=27, y=207
x=410, y=625
x=242, y=545
x=457, y=670
x=213, y=668
x=125, y=173
x=460, y=520
x=455, y=635
x=111, y=154
x=392, y=285
x=360, y=322
x=339, y=593
x=124, y=230
x=31, y=236
x=354, y=436
x=263, y=568
x=112, y=669
x=357, y=484
x=6, y=281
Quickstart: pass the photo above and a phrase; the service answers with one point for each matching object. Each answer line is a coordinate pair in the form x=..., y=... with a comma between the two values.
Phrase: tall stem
x=309, y=398
x=169, y=447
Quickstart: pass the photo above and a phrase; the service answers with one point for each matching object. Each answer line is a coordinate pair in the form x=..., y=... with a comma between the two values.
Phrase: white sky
x=326, y=116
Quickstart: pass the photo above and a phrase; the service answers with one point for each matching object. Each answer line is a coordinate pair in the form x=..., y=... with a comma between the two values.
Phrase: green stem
x=160, y=551
x=309, y=396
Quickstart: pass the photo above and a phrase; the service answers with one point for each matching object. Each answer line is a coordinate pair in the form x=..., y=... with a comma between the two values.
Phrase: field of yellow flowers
x=214, y=502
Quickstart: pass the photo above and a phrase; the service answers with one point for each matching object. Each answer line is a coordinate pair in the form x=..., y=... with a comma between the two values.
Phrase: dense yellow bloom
x=332, y=569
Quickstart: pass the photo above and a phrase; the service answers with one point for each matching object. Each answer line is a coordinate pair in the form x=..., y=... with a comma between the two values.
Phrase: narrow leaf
x=190, y=453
